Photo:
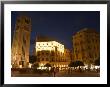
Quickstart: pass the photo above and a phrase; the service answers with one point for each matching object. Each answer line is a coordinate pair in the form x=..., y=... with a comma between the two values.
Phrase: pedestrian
x=54, y=71
x=69, y=71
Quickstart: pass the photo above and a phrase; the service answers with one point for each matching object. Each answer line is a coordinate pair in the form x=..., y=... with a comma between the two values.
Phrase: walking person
x=54, y=71
x=68, y=70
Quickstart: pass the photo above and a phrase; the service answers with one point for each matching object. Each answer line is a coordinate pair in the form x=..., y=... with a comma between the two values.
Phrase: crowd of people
x=54, y=70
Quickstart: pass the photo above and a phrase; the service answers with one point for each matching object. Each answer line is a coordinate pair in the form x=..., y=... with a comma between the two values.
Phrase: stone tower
x=21, y=43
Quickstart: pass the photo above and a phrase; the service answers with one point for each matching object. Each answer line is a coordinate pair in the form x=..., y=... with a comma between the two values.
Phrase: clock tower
x=21, y=43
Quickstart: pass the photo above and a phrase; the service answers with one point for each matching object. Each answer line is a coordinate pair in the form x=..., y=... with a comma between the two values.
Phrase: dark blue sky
x=60, y=25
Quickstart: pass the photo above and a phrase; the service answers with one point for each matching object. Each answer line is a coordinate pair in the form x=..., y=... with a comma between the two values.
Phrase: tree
x=79, y=63
x=47, y=65
x=35, y=65
x=76, y=64
x=97, y=62
x=72, y=64
x=32, y=59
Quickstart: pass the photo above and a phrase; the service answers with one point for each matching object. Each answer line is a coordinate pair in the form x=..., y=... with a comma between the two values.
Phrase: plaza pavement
x=58, y=74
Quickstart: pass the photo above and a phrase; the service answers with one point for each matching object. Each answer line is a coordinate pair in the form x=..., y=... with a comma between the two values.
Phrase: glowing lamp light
x=41, y=64
x=20, y=66
x=43, y=67
x=96, y=67
x=64, y=65
x=49, y=68
x=39, y=68
x=30, y=65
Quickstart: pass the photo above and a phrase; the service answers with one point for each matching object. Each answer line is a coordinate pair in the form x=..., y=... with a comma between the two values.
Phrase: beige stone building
x=50, y=51
x=21, y=42
x=86, y=46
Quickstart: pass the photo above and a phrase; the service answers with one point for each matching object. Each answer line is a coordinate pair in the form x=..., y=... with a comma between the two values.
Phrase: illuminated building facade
x=86, y=45
x=52, y=52
x=67, y=55
x=71, y=56
x=21, y=42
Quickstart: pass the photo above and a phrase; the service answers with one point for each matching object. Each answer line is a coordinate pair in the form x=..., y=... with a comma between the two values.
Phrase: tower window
x=27, y=21
x=24, y=41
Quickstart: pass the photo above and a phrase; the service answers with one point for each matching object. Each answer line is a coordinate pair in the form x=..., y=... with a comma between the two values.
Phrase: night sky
x=60, y=25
